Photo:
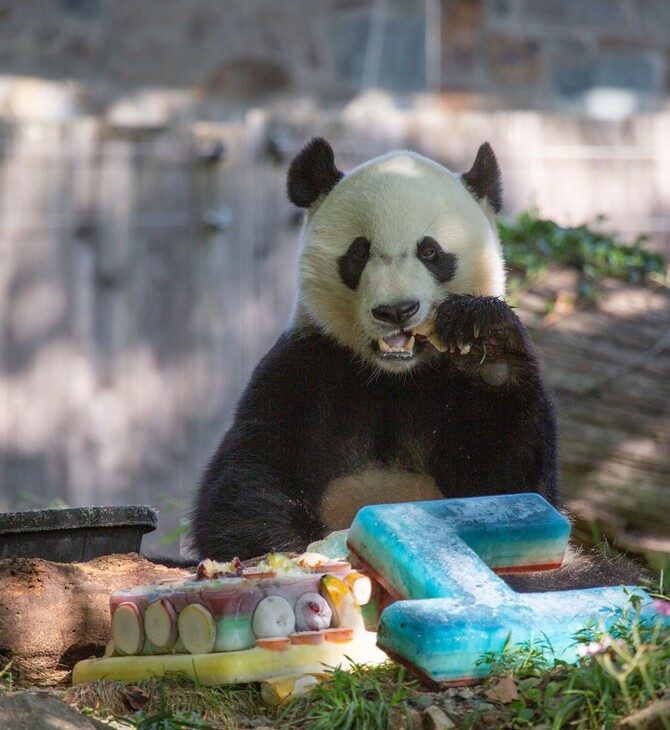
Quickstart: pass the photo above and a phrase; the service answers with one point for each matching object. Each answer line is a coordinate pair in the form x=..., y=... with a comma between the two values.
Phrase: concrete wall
x=211, y=57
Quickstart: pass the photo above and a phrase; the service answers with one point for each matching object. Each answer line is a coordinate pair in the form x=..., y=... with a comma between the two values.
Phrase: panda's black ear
x=312, y=173
x=483, y=178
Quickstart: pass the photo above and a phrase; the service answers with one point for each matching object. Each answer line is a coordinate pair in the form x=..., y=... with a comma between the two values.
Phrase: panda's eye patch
x=360, y=249
x=353, y=262
x=442, y=265
x=427, y=249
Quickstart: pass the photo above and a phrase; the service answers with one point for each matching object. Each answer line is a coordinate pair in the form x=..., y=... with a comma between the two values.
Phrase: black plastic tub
x=75, y=534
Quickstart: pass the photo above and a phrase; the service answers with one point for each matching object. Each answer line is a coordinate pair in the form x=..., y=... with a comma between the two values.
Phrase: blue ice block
x=416, y=549
x=440, y=555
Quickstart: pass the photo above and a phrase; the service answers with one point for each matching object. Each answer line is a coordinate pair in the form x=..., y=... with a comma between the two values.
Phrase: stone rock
x=31, y=710
x=434, y=718
x=513, y=59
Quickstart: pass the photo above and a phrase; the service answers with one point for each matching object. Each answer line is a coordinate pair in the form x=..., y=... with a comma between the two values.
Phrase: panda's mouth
x=399, y=346
x=406, y=344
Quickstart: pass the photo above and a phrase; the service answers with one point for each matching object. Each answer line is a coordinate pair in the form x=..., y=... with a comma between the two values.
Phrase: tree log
x=54, y=614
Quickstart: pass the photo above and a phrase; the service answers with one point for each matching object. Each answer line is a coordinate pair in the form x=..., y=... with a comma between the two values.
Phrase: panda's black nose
x=397, y=313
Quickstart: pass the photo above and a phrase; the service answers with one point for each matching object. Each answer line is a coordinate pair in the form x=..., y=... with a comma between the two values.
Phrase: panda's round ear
x=483, y=179
x=312, y=173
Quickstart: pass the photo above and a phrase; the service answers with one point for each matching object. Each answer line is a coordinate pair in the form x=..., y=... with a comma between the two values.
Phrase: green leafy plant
x=532, y=245
x=620, y=671
x=362, y=698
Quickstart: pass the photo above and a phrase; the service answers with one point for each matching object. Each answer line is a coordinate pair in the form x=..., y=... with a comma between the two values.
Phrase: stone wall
x=211, y=57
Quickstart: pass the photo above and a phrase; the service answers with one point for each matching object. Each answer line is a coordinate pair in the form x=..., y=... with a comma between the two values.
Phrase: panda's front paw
x=480, y=334
x=464, y=321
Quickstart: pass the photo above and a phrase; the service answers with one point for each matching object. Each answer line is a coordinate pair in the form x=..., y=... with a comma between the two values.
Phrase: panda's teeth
x=407, y=347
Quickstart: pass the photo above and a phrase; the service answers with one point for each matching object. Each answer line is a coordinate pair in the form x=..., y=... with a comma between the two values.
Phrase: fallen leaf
x=504, y=691
x=136, y=697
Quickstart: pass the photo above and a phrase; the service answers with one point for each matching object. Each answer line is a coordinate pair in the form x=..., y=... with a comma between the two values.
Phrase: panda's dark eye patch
x=442, y=265
x=428, y=250
x=353, y=262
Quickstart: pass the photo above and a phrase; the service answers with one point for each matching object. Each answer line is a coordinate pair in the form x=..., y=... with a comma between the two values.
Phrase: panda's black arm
x=504, y=441
x=249, y=500
x=508, y=432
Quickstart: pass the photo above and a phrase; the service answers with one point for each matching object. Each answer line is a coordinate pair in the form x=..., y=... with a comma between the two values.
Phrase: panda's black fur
x=318, y=413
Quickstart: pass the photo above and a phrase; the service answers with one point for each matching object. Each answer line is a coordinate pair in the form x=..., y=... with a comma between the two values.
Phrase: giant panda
x=402, y=375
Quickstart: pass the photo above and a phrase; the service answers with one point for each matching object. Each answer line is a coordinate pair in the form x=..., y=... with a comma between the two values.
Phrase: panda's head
x=388, y=242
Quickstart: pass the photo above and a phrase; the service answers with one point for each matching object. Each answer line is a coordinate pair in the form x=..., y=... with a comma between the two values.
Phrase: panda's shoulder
x=300, y=359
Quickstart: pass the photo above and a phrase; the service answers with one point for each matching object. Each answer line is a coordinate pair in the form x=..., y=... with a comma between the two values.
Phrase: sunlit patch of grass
x=362, y=698
x=620, y=671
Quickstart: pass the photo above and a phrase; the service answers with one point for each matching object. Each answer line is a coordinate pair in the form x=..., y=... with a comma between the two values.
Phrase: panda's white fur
x=393, y=201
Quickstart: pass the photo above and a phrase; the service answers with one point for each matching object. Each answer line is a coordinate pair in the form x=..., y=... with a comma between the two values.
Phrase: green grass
x=6, y=676
x=361, y=699
x=622, y=670
x=168, y=703
x=533, y=245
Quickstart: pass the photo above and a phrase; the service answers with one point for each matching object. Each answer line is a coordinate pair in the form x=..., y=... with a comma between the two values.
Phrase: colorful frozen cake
x=278, y=617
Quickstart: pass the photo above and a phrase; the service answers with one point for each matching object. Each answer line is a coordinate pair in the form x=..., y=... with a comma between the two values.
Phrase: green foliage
x=362, y=698
x=6, y=676
x=168, y=720
x=170, y=504
x=26, y=500
x=532, y=245
x=529, y=657
x=621, y=671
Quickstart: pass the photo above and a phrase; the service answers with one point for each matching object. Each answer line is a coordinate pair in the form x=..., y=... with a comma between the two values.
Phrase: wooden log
x=54, y=614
